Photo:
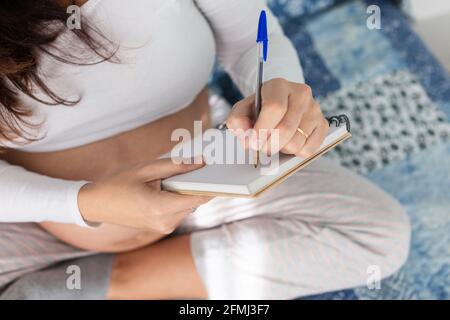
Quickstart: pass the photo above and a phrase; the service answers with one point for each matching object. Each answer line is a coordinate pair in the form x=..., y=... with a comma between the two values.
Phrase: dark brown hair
x=28, y=29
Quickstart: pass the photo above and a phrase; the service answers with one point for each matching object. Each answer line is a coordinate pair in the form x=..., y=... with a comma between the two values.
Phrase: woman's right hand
x=132, y=197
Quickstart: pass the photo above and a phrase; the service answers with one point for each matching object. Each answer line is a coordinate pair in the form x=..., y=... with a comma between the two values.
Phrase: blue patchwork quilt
x=398, y=98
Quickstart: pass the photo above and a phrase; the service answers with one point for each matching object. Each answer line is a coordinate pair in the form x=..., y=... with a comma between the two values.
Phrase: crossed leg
x=319, y=231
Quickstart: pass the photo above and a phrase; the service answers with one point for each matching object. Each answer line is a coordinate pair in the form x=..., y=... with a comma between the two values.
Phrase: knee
x=391, y=234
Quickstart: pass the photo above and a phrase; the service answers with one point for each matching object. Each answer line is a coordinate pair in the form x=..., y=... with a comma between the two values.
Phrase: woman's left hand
x=286, y=106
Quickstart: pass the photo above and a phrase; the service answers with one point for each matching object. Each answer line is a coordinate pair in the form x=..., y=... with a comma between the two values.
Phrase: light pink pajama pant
x=321, y=230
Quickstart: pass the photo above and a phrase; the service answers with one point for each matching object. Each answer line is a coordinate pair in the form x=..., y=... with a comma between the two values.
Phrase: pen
x=262, y=41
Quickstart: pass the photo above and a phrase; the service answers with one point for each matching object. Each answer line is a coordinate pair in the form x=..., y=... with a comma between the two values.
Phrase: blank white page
x=242, y=179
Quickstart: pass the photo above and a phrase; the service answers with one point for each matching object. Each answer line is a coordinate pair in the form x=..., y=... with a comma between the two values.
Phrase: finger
x=241, y=116
x=240, y=120
x=164, y=168
x=275, y=101
x=181, y=202
x=175, y=219
x=311, y=118
x=295, y=144
x=314, y=141
x=183, y=213
x=171, y=222
x=287, y=128
x=154, y=184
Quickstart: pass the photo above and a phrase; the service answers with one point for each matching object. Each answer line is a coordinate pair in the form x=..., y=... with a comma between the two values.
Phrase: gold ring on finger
x=303, y=133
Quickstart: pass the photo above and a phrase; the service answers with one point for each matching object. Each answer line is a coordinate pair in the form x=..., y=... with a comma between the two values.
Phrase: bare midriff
x=94, y=160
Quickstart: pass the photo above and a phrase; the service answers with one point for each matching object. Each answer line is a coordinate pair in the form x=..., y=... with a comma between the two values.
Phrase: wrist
x=86, y=204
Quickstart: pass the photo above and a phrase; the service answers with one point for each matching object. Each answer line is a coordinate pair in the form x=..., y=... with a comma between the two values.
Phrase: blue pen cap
x=262, y=33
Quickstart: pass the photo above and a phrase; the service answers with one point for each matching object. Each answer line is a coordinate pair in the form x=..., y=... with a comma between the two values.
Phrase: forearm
x=29, y=197
x=105, y=238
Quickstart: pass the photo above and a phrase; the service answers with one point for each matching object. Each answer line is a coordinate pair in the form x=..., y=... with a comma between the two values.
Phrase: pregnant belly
x=90, y=162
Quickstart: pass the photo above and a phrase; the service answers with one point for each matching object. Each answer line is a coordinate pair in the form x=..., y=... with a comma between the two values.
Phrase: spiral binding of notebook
x=337, y=120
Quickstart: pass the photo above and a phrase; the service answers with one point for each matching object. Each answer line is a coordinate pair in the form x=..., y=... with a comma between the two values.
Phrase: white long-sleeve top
x=166, y=54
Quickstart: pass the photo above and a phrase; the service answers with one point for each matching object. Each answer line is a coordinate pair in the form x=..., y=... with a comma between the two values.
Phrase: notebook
x=244, y=180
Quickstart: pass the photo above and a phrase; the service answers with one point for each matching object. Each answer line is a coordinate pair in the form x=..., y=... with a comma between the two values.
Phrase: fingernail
x=255, y=142
x=185, y=160
x=242, y=138
x=196, y=160
x=261, y=143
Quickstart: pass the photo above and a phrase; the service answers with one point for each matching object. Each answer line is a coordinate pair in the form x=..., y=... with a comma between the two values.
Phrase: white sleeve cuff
x=73, y=210
x=30, y=197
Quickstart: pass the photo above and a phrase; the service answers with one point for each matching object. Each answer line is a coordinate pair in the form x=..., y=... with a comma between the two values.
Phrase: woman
x=85, y=115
